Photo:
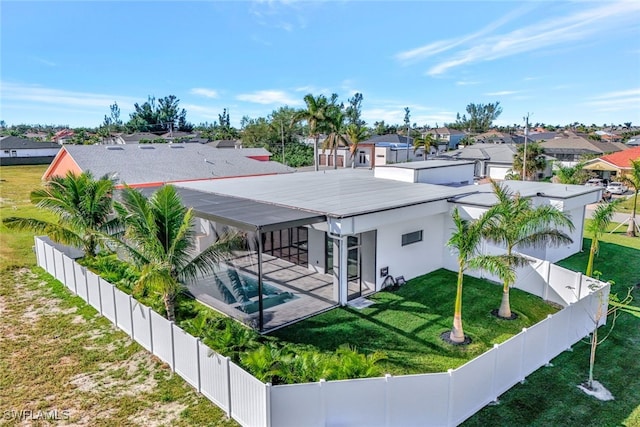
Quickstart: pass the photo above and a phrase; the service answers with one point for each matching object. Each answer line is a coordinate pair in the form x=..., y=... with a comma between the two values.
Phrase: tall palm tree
x=597, y=226
x=632, y=179
x=518, y=225
x=315, y=114
x=535, y=160
x=465, y=239
x=337, y=137
x=356, y=134
x=82, y=206
x=425, y=142
x=159, y=237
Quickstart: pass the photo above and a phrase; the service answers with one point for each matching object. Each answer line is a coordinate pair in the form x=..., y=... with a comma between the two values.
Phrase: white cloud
x=40, y=94
x=624, y=100
x=502, y=93
x=269, y=97
x=207, y=93
x=466, y=83
x=537, y=35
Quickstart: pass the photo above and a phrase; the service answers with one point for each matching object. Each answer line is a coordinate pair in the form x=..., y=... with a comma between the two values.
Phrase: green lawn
x=550, y=397
x=406, y=324
x=58, y=353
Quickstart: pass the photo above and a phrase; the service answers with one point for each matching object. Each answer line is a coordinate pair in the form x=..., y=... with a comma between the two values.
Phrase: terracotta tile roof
x=622, y=159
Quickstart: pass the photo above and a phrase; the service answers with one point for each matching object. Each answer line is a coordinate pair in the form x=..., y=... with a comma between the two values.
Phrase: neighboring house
x=226, y=143
x=142, y=165
x=569, y=148
x=634, y=141
x=22, y=151
x=451, y=136
x=63, y=136
x=493, y=137
x=534, y=137
x=393, y=148
x=491, y=160
x=613, y=166
x=345, y=158
x=352, y=230
x=137, y=137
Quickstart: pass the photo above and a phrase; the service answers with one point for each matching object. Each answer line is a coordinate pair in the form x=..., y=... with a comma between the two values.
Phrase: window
x=410, y=238
x=14, y=153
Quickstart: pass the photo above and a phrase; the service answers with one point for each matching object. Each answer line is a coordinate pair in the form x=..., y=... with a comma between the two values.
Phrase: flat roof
x=336, y=193
x=428, y=164
x=244, y=213
x=485, y=197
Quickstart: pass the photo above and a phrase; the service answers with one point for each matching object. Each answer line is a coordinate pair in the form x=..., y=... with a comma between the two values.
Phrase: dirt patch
x=127, y=378
x=159, y=415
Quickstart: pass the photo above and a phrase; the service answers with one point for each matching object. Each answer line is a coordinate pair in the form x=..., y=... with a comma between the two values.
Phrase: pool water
x=241, y=291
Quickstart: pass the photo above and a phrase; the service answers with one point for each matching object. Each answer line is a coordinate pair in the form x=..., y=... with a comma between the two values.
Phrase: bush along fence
x=442, y=399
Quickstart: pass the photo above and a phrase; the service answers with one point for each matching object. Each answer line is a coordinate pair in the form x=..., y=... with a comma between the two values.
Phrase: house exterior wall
x=447, y=175
x=414, y=259
x=30, y=152
x=397, y=174
x=316, y=249
x=62, y=164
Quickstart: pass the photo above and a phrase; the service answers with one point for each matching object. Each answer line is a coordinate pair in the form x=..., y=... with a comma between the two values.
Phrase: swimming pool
x=240, y=291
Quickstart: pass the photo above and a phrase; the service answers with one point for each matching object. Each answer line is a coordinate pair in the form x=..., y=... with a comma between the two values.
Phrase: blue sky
x=66, y=62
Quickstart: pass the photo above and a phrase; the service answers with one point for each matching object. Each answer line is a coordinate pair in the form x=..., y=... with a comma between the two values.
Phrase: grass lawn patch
x=57, y=353
x=549, y=396
x=406, y=324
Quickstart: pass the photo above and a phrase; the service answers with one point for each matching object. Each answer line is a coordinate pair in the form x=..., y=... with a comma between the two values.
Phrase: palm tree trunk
x=335, y=156
x=505, y=308
x=170, y=306
x=315, y=152
x=592, y=254
x=631, y=229
x=457, y=334
x=592, y=356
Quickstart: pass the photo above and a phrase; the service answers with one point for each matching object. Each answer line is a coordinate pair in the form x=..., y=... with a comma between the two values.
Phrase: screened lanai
x=268, y=284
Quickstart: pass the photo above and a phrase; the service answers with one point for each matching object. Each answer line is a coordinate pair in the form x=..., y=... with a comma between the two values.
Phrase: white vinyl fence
x=237, y=392
x=442, y=399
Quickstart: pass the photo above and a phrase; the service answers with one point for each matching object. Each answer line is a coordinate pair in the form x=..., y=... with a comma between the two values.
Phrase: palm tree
x=519, y=225
x=315, y=115
x=159, y=238
x=632, y=179
x=600, y=220
x=535, y=160
x=425, y=142
x=570, y=174
x=83, y=207
x=356, y=134
x=465, y=239
x=337, y=136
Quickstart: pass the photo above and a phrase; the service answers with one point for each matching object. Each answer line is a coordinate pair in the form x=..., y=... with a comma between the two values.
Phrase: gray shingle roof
x=498, y=153
x=147, y=163
x=15, y=143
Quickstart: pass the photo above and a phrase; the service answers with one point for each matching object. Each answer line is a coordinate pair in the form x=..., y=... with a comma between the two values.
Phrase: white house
x=22, y=151
x=358, y=229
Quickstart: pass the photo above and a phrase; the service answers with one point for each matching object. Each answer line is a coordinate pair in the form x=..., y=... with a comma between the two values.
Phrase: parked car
x=595, y=182
x=616, y=188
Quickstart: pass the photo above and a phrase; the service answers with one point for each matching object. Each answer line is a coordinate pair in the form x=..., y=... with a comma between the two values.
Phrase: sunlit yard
x=406, y=324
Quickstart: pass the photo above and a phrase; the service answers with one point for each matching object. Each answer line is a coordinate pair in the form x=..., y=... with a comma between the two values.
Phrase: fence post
x=199, y=388
x=579, y=280
x=131, y=317
x=387, y=415
x=323, y=401
x=100, y=297
x=547, y=356
x=115, y=304
x=173, y=349
x=268, y=404
x=227, y=359
x=450, y=402
x=496, y=348
x=150, y=328
x=86, y=285
x=522, y=349
x=569, y=338
x=547, y=279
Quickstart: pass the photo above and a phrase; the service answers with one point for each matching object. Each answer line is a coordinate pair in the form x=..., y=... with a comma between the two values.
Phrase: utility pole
x=524, y=156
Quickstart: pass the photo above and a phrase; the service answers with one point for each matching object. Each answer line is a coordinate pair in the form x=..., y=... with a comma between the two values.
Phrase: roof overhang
x=245, y=214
